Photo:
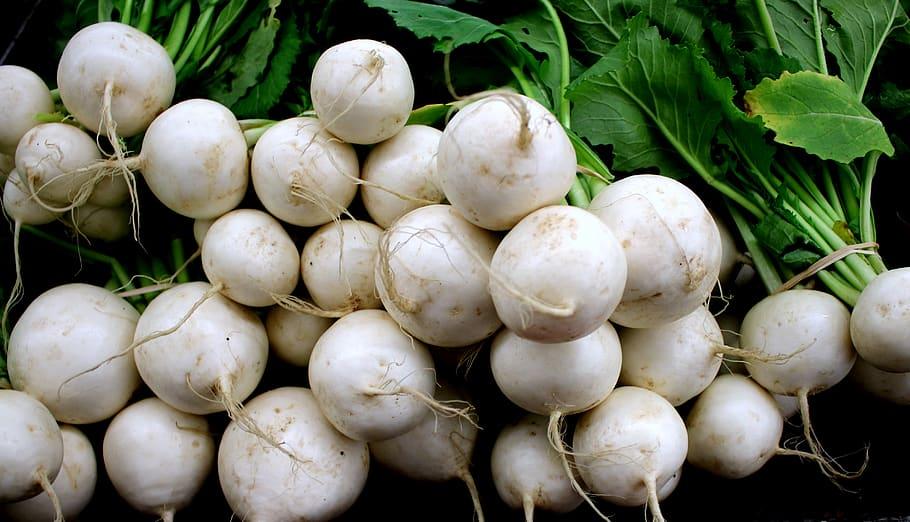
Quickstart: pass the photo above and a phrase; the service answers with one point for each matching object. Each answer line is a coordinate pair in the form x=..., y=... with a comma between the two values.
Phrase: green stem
x=561, y=102
x=804, y=195
x=578, y=196
x=178, y=258
x=767, y=25
x=850, y=193
x=760, y=260
x=126, y=16
x=844, y=292
x=102, y=16
x=145, y=16
x=175, y=36
x=811, y=187
x=201, y=28
x=819, y=42
x=831, y=190
x=867, y=219
x=216, y=37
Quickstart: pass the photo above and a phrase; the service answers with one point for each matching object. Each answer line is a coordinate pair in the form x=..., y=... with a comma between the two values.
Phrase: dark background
x=786, y=489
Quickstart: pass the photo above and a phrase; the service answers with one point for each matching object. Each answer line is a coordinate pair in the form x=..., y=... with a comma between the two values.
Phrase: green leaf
x=654, y=102
x=820, y=114
x=429, y=114
x=779, y=235
x=535, y=30
x=894, y=100
x=252, y=61
x=862, y=28
x=793, y=22
x=800, y=258
x=599, y=24
x=449, y=27
x=267, y=92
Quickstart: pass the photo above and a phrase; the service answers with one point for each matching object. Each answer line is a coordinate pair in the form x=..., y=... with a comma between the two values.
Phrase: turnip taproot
x=362, y=91
x=321, y=478
x=503, y=157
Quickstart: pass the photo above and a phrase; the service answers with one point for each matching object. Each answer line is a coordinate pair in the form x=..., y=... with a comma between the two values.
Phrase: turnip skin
x=262, y=483
x=362, y=91
x=892, y=387
x=296, y=158
x=157, y=457
x=48, y=159
x=528, y=472
x=734, y=427
x=338, y=262
x=880, y=322
x=293, y=335
x=672, y=247
x=96, y=222
x=31, y=446
x=140, y=72
x=65, y=331
x=503, y=157
x=212, y=361
x=19, y=206
x=74, y=485
x=433, y=276
x=251, y=257
x=558, y=275
x=403, y=165
x=23, y=95
x=630, y=446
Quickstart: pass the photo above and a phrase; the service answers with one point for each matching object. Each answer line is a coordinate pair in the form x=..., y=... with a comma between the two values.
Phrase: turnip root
x=115, y=79
x=437, y=449
x=362, y=91
x=880, y=323
x=51, y=160
x=31, y=449
x=63, y=332
x=96, y=222
x=321, y=481
x=528, y=473
x=23, y=95
x=293, y=335
x=892, y=387
x=671, y=243
x=248, y=254
x=157, y=457
x=399, y=174
x=302, y=174
x=812, y=330
x=558, y=275
x=630, y=446
x=734, y=427
x=200, y=352
x=338, y=265
x=432, y=276
x=371, y=380
x=74, y=485
x=503, y=157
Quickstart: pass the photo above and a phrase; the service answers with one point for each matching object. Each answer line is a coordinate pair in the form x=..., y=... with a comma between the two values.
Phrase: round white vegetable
x=250, y=256
x=568, y=377
x=302, y=174
x=528, y=472
x=399, y=174
x=671, y=243
x=194, y=159
x=104, y=223
x=65, y=332
x=324, y=478
x=437, y=449
x=157, y=457
x=676, y=360
x=212, y=361
x=23, y=94
x=338, y=265
x=734, y=427
x=880, y=323
x=31, y=447
x=892, y=387
x=630, y=446
x=558, y=275
x=371, y=380
x=48, y=156
x=200, y=229
x=502, y=158
x=432, y=276
x=21, y=207
x=293, y=335
x=362, y=91
x=114, y=64
x=74, y=485
x=7, y=164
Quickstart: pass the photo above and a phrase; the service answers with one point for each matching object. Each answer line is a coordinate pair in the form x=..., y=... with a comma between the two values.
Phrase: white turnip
x=293, y=335
x=880, y=322
x=23, y=95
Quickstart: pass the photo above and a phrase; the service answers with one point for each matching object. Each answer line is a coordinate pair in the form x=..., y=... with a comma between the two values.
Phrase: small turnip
x=23, y=95
x=293, y=335
x=51, y=160
x=880, y=323
x=892, y=387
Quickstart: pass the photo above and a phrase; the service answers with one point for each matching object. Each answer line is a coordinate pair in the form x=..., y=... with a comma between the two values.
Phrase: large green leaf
x=863, y=26
x=819, y=113
x=794, y=24
x=250, y=64
x=598, y=24
x=449, y=27
x=535, y=30
x=260, y=99
x=657, y=103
